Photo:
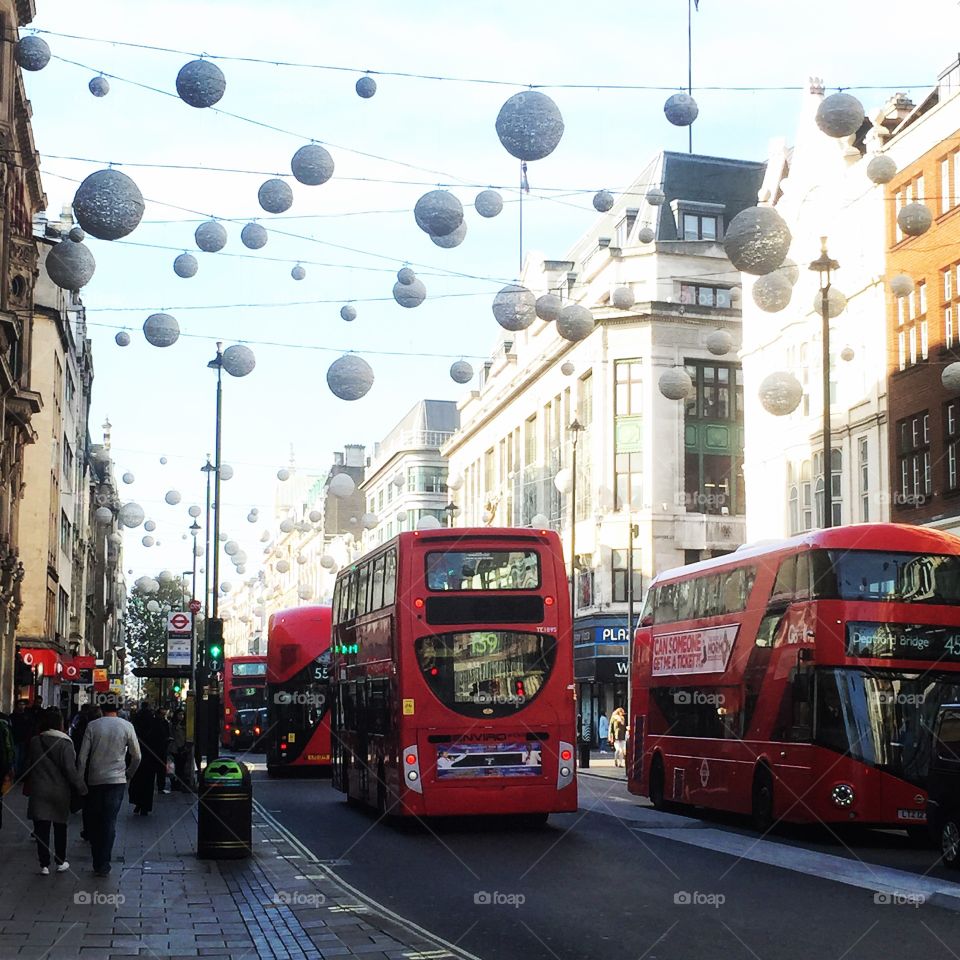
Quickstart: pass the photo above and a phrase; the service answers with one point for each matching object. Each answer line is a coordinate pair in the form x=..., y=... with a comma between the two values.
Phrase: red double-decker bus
x=799, y=681
x=244, y=697
x=298, y=680
x=452, y=675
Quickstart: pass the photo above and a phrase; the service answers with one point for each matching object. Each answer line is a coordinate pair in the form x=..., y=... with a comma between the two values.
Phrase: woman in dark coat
x=51, y=772
x=153, y=732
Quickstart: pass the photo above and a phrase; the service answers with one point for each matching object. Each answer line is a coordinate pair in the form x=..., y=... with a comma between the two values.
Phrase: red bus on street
x=244, y=697
x=298, y=680
x=452, y=675
x=799, y=680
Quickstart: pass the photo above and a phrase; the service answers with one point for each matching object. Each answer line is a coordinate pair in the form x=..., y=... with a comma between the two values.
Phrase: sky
x=353, y=233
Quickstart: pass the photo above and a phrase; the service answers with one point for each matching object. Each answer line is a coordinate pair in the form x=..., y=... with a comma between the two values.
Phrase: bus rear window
x=249, y=669
x=881, y=575
x=483, y=570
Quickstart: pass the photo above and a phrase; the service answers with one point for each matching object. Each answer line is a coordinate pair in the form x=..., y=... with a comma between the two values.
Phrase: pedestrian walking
x=106, y=743
x=618, y=736
x=79, y=724
x=150, y=732
x=7, y=757
x=179, y=749
x=160, y=737
x=51, y=781
x=22, y=723
x=603, y=730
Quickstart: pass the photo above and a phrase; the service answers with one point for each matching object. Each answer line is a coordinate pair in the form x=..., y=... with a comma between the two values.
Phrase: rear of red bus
x=244, y=688
x=298, y=686
x=485, y=674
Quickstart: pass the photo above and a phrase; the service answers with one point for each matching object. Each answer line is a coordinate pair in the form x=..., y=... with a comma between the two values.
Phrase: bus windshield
x=483, y=570
x=247, y=698
x=882, y=575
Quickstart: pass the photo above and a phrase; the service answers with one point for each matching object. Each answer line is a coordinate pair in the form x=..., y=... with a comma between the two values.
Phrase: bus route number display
x=693, y=651
x=902, y=641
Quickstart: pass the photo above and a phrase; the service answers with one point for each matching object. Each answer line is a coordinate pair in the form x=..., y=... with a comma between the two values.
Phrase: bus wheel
x=950, y=842
x=657, y=784
x=762, y=807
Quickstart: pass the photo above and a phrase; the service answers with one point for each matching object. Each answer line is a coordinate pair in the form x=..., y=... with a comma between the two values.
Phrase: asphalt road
x=619, y=880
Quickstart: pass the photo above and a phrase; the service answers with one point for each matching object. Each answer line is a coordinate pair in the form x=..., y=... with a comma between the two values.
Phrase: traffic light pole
x=214, y=627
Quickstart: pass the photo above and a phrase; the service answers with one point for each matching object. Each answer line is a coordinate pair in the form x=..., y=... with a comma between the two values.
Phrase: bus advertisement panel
x=298, y=682
x=799, y=681
x=452, y=675
x=244, y=701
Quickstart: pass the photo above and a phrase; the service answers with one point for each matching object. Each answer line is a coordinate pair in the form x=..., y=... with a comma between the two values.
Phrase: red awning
x=45, y=662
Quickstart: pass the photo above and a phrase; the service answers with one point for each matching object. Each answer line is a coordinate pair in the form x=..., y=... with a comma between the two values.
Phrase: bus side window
x=390, y=578
x=349, y=704
x=646, y=616
x=378, y=705
x=802, y=581
x=666, y=611
x=785, y=584
x=336, y=603
x=767, y=631
x=685, y=599
x=363, y=591
x=376, y=597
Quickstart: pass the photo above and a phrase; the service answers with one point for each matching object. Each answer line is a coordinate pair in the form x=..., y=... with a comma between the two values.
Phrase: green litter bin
x=224, y=818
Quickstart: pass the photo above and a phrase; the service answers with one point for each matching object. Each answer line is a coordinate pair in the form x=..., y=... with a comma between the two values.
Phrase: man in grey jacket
x=106, y=743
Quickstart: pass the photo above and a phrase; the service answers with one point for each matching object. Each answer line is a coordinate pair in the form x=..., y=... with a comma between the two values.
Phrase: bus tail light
x=418, y=603
x=567, y=769
x=411, y=769
x=256, y=730
x=548, y=601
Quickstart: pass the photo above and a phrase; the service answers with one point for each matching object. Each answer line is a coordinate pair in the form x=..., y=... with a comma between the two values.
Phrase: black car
x=943, y=805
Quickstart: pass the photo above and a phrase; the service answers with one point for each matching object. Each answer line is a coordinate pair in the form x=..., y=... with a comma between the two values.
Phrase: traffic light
x=176, y=689
x=214, y=645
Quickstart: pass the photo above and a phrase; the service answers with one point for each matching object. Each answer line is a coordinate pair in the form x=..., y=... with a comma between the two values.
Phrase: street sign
x=180, y=625
x=194, y=606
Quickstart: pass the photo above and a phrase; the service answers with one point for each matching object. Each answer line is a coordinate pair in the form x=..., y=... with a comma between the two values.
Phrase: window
x=66, y=529
x=67, y=463
x=63, y=613
x=69, y=388
x=625, y=226
x=863, y=469
x=705, y=296
x=950, y=301
x=951, y=431
x=530, y=441
x=836, y=487
x=620, y=572
x=718, y=391
x=708, y=595
x=584, y=407
x=483, y=570
x=627, y=410
x=913, y=458
x=426, y=480
x=390, y=579
x=700, y=227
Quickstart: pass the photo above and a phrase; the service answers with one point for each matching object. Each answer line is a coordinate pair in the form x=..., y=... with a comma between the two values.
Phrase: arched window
x=836, y=486
x=794, y=509
x=806, y=497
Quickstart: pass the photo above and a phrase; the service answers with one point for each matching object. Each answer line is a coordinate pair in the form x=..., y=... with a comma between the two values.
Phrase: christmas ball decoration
x=529, y=125
x=950, y=377
x=882, y=168
x=348, y=312
x=152, y=605
x=836, y=303
x=789, y=270
x=675, y=383
x=238, y=360
x=681, y=109
x=563, y=480
x=428, y=523
x=539, y=520
x=108, y=205
x=128, y=477
x=282, y=566
x=915, y=219
x=461, y=371
x=163, y=460
x=149, y=526
x=720, y=342
x=231, y=547
x=241, y=569
x=780, y=393
x=315, y=516
x=847, y=354
x=410, y=295
x=623, y=298
x=76, y=234
x=298, y=273
x=645, y=234
x=575, y=322
x=165, y=576
x=840, y=115
x=172, y=497
x=99, y=86
x=349, y=377
x=567, y=368
x=131, y=514
x=70, y=265
x=438, y=213
x=901, y=285
x=656, y=197
x=327, y=562
x=239, y=558
x=286, y=525
x=283, y=474
x=366, y=87
x=452, y=239
x=226, y=471
x=548, y=307
x=342, y=485
x=305, y=593
x=757, y=240
x=211, y=236
x=515, y=307
x=251, y=518
x=312, y=165
x=185, y=266
x=772, y=292
x=406, y=276
x=194, y=511
x=253, y=236
x=488, y=203
x=161, y=330
x=398, y=480
x=32, y=53
x=200, y=83
x=369, y=520
x=602, y=201
x=226, y=586
x=103, y=515
x=275, y=196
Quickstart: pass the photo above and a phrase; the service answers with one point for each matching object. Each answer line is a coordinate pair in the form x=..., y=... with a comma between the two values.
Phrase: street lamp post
x=576, y=428
x=824, y=265
x=451, y=510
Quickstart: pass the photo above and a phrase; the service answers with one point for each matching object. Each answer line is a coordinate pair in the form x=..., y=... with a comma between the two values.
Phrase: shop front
x=601, y=662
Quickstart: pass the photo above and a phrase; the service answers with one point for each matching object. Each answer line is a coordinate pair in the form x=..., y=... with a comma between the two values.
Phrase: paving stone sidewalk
x=161, y=901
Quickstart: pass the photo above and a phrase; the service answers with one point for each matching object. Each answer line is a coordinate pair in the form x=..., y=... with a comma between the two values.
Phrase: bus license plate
x=918, y=816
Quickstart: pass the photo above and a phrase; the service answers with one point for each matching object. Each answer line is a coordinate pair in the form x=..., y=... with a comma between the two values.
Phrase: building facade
x=671, y=469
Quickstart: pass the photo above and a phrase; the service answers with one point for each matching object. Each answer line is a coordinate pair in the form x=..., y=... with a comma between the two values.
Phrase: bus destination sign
x=902, y=641
x=694, y=651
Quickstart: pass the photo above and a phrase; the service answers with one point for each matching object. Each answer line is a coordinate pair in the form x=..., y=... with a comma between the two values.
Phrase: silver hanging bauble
x=656, y=197
x=312, y=165
x=780, y=393
x=646, y=235
x=99, y=86
x=602, y=201
x=226, y=471
x=847, y=354
x=623, y=298
x=681, y=109
x=283, y=566
x=529, y=125
x=452, y=239
x=882, y=168
x=128, y=477
x=575, y=322
x=238, y=360
x=77, y=235
x=194, y=511
x=428, y=523
x=253, y=236
x=172, y=497
x=350, y=377
x=348, y=312
x=840, y=115
x=675, y=383
x=211, y=236
x=149, y=526
x=131, y=514
x=342, y=485
x=406, y=276
x=515, y=307
x=103, y=515
x=283, y=474
x=757, y=240
x=438, y=213
x=366, y=87
x=275, y=195
x=201, y=83
x=836, y=302
x=720, y=342
x=461, y=371
x=185, y=266
x=32, y=53
x=488, y=203
x=122, y=339
x=548, y=307
x=789, y=270
x=70, y=265
x=410, y=294
x=915, y=219
x=950, y=377
x=369, y=521
x=315, y=516
x=772, y=292
x=108, y=205
x=298, y=272
x=567, y=368
x=901, y=285
x=161, y=330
